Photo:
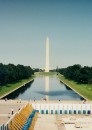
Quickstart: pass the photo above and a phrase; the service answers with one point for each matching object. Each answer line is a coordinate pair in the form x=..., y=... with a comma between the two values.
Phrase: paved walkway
x=75, y=122
x=5, y=109
x=46, y=122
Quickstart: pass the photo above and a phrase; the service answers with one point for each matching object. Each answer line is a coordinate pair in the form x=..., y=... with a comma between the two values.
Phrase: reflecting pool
x=48, y=87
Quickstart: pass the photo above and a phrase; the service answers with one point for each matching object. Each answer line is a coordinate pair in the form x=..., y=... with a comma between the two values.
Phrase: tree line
x=12, y=73
x=77, y=73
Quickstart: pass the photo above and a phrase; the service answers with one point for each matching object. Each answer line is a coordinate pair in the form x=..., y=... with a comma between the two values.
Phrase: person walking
x=12, y=110
x=34, y=99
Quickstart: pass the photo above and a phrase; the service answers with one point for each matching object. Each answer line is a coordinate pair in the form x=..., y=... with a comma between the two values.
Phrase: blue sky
x=25, y=24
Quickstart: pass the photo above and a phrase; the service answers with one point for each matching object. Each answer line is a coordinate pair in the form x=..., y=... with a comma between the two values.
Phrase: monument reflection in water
x=47, y=86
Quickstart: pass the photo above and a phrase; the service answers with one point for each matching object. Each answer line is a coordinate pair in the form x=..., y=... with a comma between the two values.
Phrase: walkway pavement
x=5, y=109
x=46, y=122
x=75, y=122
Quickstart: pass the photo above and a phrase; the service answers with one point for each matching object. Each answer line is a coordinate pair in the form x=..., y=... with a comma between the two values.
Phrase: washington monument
x=47, y=55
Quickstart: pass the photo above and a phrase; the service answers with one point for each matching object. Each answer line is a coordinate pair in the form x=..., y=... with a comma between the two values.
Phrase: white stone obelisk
x=47, y=55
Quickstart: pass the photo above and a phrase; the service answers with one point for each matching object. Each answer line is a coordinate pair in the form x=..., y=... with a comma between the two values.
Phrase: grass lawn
x=10, y=87
x=45, y=73
x=83, y=89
